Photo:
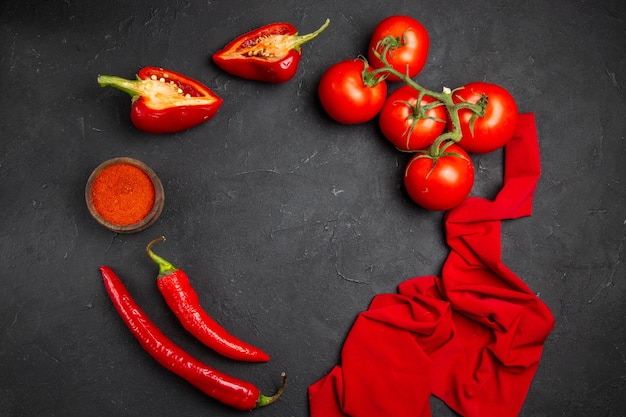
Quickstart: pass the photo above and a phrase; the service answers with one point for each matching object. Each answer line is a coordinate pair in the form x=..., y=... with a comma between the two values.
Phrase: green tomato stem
x=445, y=98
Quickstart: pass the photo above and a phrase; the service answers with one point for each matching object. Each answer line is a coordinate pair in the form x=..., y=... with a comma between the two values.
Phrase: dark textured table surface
x=289, y=223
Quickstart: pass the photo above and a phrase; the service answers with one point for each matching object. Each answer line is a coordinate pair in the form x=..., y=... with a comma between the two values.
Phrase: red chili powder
x=123, y=194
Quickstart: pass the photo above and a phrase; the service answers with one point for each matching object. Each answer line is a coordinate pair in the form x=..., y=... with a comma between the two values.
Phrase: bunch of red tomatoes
x=440, y=128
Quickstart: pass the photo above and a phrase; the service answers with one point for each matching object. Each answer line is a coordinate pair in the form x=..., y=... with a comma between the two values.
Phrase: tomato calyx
x=478, y=109
x=390, y=42
x=370, y=77
x=482, y=103
x=435, y=152
x=419, y=112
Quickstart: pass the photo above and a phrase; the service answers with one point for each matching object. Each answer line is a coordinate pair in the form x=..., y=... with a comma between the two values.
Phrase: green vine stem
x=444, y=98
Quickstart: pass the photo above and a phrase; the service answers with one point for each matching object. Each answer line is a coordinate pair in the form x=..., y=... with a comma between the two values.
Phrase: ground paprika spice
x=124, y=195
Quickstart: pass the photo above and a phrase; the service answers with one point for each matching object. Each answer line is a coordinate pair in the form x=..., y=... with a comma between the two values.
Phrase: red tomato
x=440, y=183
x=401, y=124
x=410, y=56
x=345, y=95
x=496, y=128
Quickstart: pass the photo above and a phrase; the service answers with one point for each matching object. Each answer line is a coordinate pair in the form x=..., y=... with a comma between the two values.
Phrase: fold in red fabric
x=472, y=337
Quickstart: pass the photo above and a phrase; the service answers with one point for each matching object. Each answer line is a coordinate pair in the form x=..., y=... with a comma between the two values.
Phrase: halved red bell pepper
x=270, y=53
x=165, y=101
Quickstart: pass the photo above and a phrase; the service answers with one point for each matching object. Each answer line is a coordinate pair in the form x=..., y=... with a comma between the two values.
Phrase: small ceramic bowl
x=121, y=191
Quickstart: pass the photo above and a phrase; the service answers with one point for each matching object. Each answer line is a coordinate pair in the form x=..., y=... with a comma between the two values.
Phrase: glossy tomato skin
x=344, y=95
x=496, y=128
x=411, y=55
x=402, y=128
x=443, y=186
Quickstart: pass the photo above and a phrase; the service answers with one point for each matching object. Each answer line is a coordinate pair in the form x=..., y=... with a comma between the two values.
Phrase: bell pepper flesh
x=270, y=53
x=165, y=101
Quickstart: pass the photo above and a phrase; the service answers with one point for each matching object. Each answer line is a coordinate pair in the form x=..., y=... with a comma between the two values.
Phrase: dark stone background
x=287, y=222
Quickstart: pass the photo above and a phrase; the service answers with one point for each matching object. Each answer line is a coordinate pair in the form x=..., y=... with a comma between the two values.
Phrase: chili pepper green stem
x=265, y=400
x=165, y=267
x=128, y=86
x=302, y=39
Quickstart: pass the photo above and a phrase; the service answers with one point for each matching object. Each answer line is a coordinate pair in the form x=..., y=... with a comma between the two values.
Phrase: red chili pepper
x=185, y=303
x=270, y=53
x=229, y=390
x=165, y=101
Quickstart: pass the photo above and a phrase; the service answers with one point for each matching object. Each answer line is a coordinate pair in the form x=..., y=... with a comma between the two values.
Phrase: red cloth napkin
x=473, y=337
